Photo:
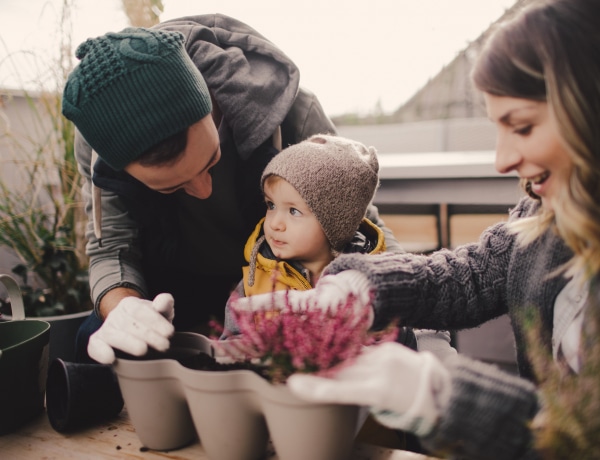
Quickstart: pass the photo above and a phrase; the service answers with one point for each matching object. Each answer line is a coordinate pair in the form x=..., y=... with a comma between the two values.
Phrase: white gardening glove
x=404, y=389
x=436, y=342
x=133, y=326
x=330, y=292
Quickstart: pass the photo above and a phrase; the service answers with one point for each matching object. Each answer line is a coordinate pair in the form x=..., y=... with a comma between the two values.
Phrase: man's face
x=191, y=171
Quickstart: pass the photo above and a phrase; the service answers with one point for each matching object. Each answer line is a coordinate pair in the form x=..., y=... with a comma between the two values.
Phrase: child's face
x=291, y=229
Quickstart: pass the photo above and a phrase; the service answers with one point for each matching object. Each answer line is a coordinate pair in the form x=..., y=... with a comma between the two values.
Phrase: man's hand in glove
x=133, y=326
x=404, y=389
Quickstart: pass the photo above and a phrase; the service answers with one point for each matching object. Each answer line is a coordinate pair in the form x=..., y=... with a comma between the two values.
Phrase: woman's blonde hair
x=550, y=53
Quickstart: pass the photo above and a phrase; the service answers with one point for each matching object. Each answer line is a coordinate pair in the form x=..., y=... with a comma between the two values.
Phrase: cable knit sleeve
x=488, y=414
x=447, y=290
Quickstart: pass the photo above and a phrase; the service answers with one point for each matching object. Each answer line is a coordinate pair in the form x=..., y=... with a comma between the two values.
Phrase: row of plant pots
x=234, y=413
x=170, y=400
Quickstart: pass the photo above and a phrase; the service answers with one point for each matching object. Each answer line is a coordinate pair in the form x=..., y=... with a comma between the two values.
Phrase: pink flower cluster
x=286, y=341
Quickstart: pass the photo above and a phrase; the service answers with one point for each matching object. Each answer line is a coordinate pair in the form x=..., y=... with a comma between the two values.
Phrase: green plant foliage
x=41, y=211
x=569, y=426
x=42, y=218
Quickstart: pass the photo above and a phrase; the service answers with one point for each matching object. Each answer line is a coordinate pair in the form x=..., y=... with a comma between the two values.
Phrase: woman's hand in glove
x=133, y=326
x=404, y=389
x=331, y=292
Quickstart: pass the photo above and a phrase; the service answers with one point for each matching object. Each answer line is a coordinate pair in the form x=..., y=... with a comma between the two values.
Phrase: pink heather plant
x=312, y=340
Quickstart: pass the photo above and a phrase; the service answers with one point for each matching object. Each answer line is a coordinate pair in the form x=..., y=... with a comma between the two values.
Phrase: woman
x=539, y=74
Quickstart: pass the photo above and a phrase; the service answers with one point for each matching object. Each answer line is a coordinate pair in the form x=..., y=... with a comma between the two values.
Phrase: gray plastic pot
x=24, y=346
x=234, y=413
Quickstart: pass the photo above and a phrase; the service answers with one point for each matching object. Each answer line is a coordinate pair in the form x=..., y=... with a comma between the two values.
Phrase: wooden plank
x=112, y=440
x=117, y=440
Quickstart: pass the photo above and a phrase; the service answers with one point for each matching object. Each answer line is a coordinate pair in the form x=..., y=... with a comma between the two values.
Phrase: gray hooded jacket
x=193, y=248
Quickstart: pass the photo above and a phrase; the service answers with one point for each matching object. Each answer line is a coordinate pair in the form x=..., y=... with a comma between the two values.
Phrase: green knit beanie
x=336, y=177
x=132, y=90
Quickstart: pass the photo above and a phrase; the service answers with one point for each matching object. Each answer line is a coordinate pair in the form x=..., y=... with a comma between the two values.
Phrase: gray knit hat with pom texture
x=337, y=178
x=132, y=90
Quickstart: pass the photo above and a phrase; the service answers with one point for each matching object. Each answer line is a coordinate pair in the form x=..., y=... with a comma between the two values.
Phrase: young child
x=317, y=193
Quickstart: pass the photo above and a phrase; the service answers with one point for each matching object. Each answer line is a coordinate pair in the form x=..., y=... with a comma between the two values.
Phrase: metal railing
x=444, y=184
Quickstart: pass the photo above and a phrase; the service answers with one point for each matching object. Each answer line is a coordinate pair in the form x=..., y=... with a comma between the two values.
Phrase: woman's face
x=528, y=142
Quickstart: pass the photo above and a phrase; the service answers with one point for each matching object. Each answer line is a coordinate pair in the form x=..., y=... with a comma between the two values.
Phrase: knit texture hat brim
x=125, y=101
x=335, y=176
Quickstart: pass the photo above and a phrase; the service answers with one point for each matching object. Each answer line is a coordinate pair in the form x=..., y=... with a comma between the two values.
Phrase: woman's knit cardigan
x=489, y=410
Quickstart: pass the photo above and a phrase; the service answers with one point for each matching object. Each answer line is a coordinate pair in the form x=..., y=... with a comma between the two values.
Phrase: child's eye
x=295, y=212
x=270, y=205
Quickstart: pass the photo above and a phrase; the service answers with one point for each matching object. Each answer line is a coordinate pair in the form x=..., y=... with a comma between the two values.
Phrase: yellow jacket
x=265, y=274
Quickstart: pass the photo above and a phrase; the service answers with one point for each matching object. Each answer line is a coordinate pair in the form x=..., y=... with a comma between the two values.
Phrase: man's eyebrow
x=175, y=187
x=212, y=159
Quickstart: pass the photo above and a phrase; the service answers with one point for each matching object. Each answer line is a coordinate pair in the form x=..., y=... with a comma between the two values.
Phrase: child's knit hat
x=132, y=90
x=336, y=177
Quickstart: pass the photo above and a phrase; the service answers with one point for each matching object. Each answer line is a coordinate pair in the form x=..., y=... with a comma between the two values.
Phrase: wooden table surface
x=117, y=440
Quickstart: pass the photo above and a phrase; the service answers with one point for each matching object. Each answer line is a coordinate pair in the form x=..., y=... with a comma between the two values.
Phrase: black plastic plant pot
x=81, y=395
x=24, y=347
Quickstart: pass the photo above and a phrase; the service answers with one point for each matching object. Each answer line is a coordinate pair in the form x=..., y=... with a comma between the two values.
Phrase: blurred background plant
x=42, y=218
x=41, y=212
x=143, y=13
x=569, y=426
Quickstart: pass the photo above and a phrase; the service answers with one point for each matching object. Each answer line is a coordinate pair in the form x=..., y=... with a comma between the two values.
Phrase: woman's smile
x=537, y=183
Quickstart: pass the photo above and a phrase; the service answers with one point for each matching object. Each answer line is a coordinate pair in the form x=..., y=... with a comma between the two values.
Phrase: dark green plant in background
x=41, y=211
x=569, y=426
x=43, y=226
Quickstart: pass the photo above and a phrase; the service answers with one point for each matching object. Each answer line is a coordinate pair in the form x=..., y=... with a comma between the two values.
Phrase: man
x=183, y=118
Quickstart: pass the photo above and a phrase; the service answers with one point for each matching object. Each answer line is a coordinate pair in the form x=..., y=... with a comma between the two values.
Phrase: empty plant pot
x=24, y=348
x=232, y=412
x=80, y=395
x=154, y=395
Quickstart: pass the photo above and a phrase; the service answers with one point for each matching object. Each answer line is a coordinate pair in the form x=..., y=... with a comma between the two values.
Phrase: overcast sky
x=351, y=53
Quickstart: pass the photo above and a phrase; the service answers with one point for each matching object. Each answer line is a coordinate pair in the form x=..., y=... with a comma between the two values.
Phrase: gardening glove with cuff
x=134, y=325
x=404, y=389
x=331, y=292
